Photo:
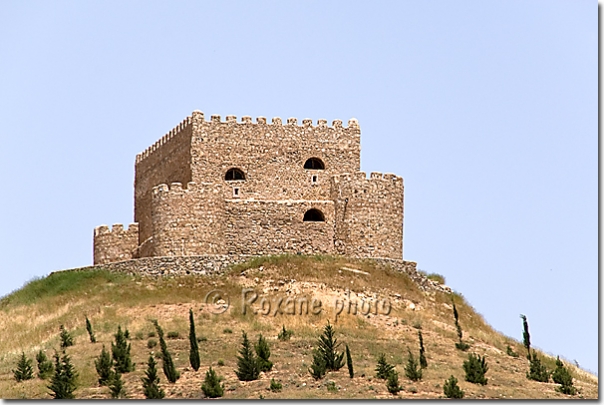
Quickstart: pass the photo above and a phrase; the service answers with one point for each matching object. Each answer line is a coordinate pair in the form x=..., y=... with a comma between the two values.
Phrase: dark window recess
x=234, y=174
x=314, y=215
x=314, y=164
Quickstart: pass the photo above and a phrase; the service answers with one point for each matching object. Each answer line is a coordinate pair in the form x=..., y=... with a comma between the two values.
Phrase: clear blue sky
x=488, y=109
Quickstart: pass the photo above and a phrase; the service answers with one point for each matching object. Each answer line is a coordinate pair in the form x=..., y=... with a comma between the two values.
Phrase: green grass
x=60, y=283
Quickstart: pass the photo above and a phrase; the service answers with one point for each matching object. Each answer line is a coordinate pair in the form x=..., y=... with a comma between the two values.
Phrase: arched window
x=234, y=174
x=314, y=215
x=314, y=164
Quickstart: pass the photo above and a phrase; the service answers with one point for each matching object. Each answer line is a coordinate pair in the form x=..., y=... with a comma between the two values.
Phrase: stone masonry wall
x=187, y=221
x=168, y=160
x=277, y=227
x=272, y=156
x=369, y=215
x=116, y=244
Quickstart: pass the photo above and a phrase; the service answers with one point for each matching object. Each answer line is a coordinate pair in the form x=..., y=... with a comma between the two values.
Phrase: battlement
x=175, y=187
x=362, y=176
x=174, y=132
x=115, y=228
x=277, y=121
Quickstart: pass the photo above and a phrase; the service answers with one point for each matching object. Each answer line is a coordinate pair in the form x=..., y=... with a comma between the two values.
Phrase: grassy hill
x=30, y=319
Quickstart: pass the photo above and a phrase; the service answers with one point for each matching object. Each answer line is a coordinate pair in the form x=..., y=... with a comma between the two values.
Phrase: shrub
x=247, y=364
x=331, y=386
x=45, y=367
x=127, y=334
x=463, y=346
x=392, y=383
x=263, y=352
x=317, y=368
x=537, y=370
x=173, y=335
x=151, y=343
x=202, y=339
x=151, y=334
x=116, y=386
x=120, y=351
x=220, y=362
x=24, y=370
x=275, y=386
x=168, y=364
x=66, y=338
x=413, y=371
x=63, y=382
x=285, y=334
x=151, y=387
x=227, y=330
x=510, y=351
x=422, y=352
x=349, y=363
x=436, y=277
x=90, y=332
x=475, y=368
x=103, y=367
x=417, y=325
x=451, y=389
x=562, y=376
x=139, y=335
x=193, y=348
x=327, y=346
x=211, y=385
x=383, y=368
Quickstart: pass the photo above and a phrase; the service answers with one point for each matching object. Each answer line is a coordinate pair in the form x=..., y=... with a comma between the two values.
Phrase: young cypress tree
x=317, y=368
x=413, y=371
x=103, y=367
x=461, y=345
x=116, y=385
x=537, y=370
x=562, y=376
x=168, y=364
x=45, y=367
x=211, y=385
x=451, y=389
x=383, y=368
x=90, y=332
x=526, y=337
x=248, y=368
x=24, y=370
x=475, y=368
x=151, y=387
x=392, y=383
x=263, y=352
x=63, y=382
x=349, y=362
x=193, y=349
x=66, y=338
x=328, y=345
x=422, y=351
x=120, y=351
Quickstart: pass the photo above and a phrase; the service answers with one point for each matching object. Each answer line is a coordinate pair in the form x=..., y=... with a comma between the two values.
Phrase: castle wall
x=369, y=215
x=116, y=244
x=272, y=156
x=186, y=221
x=168, y=160
x=277, y=227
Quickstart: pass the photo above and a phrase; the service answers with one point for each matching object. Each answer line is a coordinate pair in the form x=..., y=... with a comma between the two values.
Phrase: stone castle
x=228, y=189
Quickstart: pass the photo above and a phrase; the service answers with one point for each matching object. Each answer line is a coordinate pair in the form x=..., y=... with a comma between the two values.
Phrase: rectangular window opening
x=235, y=192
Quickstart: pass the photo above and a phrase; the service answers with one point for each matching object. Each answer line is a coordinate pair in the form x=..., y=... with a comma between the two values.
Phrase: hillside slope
x=30, y=319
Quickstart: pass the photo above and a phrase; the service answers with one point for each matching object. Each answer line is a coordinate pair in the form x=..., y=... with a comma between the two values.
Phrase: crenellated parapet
x=181, y=129
x=115, y=244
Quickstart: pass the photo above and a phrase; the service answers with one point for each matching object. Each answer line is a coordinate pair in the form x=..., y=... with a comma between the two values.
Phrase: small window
x=314, y=164
x=314, y=215
x=234, y=174
x=236, y=192
x=314, y=179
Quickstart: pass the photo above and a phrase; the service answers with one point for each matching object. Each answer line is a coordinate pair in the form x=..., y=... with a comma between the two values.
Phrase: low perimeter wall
x=218, y=264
